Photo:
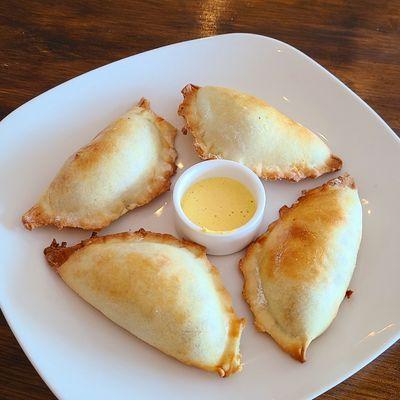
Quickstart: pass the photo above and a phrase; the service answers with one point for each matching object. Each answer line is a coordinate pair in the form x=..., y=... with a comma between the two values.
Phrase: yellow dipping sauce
x=218, y=204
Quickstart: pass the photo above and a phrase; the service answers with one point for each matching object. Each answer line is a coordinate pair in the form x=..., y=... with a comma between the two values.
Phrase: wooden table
x=43, y=44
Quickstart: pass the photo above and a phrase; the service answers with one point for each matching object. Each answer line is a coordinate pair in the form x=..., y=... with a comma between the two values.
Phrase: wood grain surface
x=44, y=43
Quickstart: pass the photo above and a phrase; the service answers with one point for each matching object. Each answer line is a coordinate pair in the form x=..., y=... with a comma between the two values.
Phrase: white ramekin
x=219, y=243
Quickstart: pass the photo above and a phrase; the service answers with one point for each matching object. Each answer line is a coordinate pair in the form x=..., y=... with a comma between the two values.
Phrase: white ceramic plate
x=82, y=355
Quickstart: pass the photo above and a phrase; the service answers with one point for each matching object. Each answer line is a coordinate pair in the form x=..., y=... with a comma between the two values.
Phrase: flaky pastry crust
x=294, y=256
x=230, y=361
x=63, y=206
x=207, y=148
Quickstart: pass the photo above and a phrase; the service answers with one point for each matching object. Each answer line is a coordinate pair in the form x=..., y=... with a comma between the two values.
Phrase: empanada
x=239, y=127
x=297, y=273
x=125, y=166
x=162, y=290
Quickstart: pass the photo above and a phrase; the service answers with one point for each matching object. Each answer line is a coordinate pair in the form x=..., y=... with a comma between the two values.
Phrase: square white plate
x=82, y=355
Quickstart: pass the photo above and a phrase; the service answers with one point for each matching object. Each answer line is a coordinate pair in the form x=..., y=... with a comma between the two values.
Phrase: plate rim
x=208, y=38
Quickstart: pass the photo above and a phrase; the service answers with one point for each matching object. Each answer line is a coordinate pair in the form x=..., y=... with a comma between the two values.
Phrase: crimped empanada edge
x=56, y=254
x=231, y=360
x=185, y=110
x=35, y=217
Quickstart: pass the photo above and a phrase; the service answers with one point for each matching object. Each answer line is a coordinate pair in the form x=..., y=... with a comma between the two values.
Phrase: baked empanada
x=160, y=289
x=297, y=273
x=125, y=166
x=239, y=127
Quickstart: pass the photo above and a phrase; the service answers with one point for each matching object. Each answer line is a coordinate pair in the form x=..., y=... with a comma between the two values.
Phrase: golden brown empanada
x=162, y=290
x=239, y=127
x=297, y=273
x=125, y=166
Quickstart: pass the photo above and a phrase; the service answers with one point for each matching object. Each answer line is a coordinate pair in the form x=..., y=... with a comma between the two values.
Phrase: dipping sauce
x=218, y=204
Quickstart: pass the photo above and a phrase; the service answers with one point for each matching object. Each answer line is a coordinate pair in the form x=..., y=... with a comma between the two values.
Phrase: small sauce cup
x=219, y=243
